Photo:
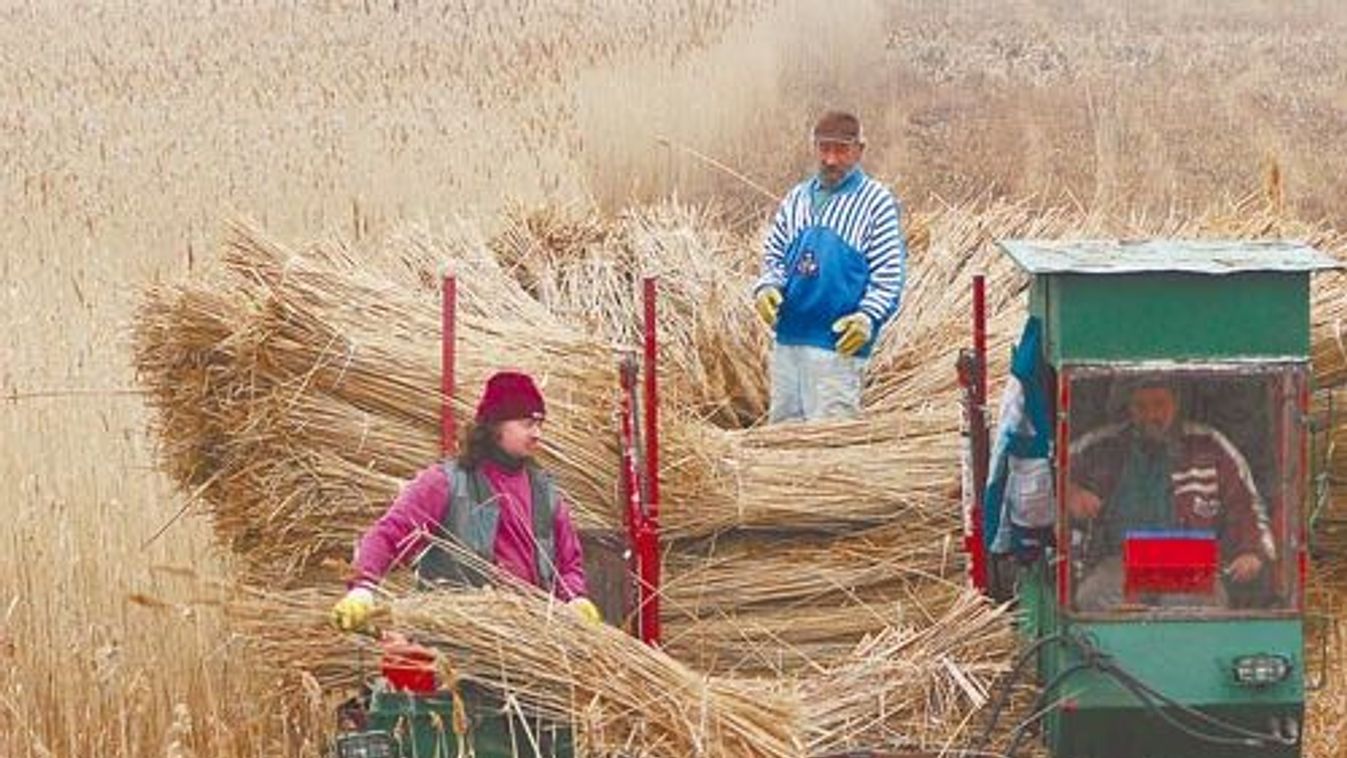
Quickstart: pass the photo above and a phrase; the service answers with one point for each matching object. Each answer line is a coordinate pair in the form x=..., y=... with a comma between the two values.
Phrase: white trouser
x=810, y=383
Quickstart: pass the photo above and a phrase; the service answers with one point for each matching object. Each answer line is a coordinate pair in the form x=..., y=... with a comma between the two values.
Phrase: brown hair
x=479, y=440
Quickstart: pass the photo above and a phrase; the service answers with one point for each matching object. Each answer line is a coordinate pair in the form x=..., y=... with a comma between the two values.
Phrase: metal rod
x=650, y=539
x=1063, y=566
x=448, y=306
x=977, y=422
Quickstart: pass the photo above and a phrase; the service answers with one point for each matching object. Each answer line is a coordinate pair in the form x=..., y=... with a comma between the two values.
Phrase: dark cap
x=509, y=395
x=838, y=126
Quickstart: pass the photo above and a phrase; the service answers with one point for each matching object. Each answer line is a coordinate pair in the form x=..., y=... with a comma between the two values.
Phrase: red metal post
x=1063, y=566
x=448, y=305
x=650, y=564
x=977, y=422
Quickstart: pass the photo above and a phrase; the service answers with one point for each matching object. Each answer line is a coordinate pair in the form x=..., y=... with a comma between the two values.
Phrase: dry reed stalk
x=587, y=269
x=623, y=697
x=914, y=685
x=801, y=639
x=747, y=572
x=1326, y=707
x=768, y=479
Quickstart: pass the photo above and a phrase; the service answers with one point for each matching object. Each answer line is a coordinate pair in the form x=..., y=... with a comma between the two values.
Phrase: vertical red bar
x=977, y=423
x=650, y=566
x=1063, y=562
x=448, y=305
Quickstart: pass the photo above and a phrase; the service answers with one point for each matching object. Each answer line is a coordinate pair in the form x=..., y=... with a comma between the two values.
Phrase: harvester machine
x=1143, y=497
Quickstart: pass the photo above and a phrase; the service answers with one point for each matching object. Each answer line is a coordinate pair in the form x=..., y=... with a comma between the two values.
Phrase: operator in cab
x=1156, y=471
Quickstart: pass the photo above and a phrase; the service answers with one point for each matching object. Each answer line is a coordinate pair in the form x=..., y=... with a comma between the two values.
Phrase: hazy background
x=130, y=130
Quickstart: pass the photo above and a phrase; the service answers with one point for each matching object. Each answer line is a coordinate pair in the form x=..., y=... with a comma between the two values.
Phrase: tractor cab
x=1146, y=494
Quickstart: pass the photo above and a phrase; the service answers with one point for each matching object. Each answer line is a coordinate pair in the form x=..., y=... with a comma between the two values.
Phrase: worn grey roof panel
x=1140, y=256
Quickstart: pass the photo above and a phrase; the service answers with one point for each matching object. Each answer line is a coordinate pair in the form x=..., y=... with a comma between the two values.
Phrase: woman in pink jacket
x=493, y=501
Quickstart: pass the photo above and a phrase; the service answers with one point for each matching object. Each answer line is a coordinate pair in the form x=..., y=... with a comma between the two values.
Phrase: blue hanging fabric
x=1018, y=502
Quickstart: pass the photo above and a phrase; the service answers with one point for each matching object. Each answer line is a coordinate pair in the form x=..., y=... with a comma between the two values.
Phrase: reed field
x=240, y=180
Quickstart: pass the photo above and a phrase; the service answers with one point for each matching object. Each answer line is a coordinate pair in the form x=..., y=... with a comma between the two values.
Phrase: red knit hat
x=509, y=395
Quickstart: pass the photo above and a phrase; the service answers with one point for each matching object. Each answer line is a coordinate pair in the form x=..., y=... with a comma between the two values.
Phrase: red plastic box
x=408, y=668
x=1170, y=561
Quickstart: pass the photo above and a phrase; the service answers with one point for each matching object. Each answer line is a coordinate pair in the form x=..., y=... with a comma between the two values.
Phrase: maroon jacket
x=1210, y=484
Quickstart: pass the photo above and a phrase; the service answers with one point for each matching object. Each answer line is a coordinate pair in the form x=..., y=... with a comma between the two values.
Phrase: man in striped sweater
x=833, y=268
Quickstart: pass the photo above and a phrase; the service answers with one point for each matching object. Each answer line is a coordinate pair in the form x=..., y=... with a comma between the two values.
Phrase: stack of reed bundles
x=296, y=390
x=915, y=685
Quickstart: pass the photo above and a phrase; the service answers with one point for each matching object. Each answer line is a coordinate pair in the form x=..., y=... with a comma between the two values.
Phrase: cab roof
x=1159, y=255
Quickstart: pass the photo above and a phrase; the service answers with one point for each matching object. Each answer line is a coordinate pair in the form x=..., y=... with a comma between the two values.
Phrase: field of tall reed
x=133, y=134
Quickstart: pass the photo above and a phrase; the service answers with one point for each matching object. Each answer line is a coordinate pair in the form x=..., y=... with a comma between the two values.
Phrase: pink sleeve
x=570, y=558
x=401, y=532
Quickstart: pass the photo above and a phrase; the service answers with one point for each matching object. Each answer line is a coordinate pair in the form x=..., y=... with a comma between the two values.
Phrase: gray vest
x=471, y=519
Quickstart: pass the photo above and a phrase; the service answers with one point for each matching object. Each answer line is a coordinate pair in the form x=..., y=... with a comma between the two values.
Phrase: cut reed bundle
x=295, y=392
x=623, y=697
x=914, y=685
x=587, y=269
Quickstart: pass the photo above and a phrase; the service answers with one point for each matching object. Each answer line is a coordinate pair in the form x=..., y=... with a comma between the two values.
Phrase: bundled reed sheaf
x=296, y=389
x=622, y=697
x=912, y=685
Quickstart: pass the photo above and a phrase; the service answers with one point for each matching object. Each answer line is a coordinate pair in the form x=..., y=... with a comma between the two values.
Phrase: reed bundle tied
x=298, y=388
x=294, y=392
x=915, y=684
x=621, y=696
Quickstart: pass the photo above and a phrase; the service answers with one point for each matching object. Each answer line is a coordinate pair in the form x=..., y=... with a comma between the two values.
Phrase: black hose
x=1037, y=713
x=1147, y=695
x=1003, y=692
x=1247, y=737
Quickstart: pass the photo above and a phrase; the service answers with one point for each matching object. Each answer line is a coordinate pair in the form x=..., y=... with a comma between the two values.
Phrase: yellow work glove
x=352, y=613
x=855, y=330
x=586, y=610
x=768, y=304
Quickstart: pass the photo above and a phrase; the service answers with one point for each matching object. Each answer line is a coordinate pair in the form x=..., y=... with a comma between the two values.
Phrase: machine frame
x=1148, y=681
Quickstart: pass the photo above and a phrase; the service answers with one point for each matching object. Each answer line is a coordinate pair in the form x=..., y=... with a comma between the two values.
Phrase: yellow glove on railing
x=586, y=610
x=855, y=331
x=352, y=613
x=768, y=303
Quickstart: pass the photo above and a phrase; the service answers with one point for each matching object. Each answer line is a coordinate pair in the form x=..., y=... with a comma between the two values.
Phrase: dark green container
x=421, y=726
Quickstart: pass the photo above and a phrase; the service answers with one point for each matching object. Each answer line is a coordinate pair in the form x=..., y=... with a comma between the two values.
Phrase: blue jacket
x=1024, y=431
x=832, y=254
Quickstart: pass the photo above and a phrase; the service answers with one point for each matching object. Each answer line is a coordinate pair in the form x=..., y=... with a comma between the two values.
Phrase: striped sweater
x=833, y=254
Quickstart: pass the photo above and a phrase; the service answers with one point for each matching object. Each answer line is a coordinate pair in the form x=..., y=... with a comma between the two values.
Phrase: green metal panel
x=1190, y=661
x=1119, y=733
x=422, y=726
x=1174, y=316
